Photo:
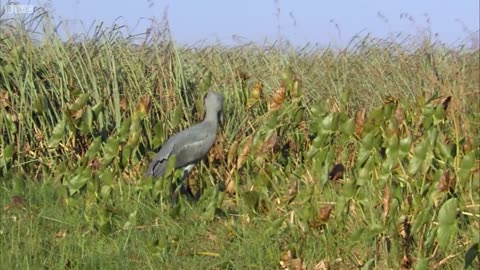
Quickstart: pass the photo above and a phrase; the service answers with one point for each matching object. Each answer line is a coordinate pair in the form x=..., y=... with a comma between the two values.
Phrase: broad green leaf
x=368, y=141
x=18, y=184
x=328, y=123
x=419, y=156
x=86, y=126
x=94, y=147
x=8, y=152
x=370, y=264
x=348, y=127
x=96, y=109
x=376, y=117
x=80, y=102
x=177, y=116
x=363, y=155
x=422, y=264
x=405, y=144
x=126, y=153
x=393, y=148
x=107, y=177
x=466, y=165
x=447, y=222
x=159, y=135
x=420, y=219
x=444, y=150
x=110, y=150
x=125, y=129
x=251, y=198
x=170, y=170
x=58, y=133
x=275, y=226
x=79, y=180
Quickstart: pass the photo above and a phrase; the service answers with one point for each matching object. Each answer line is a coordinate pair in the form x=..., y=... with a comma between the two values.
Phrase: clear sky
x=302, y=21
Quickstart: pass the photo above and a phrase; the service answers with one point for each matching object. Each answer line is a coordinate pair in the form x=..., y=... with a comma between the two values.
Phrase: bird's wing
x=193, y=149
x=159, y=163
x=188, y=146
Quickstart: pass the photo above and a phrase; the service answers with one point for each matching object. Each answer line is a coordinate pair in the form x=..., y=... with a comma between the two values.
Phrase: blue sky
x=315, y=21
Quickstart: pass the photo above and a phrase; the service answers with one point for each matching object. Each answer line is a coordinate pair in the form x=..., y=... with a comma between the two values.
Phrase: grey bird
x=191, y=145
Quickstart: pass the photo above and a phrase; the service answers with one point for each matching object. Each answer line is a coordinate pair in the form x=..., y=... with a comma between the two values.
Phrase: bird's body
x=190, y=145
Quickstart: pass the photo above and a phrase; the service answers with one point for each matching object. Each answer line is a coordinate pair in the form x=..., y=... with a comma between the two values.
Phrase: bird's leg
x=180, y=187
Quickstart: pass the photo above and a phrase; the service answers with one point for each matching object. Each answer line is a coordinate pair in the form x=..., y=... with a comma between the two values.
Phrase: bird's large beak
x=221, y=118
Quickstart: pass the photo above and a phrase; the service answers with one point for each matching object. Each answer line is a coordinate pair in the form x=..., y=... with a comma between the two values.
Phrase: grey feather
x=193, y=144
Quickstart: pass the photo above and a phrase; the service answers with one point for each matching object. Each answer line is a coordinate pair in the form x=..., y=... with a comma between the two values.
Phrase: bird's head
x=214, y=105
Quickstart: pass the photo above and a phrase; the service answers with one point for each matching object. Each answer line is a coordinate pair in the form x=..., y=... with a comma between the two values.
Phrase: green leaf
x=58, y=133
x=107, y=177
x=420, y=219
x=466, y=165
x=447, y=222
x=405, y=144
x=94, y=147
x=80, y=102
x=348, y=127
x=126, y=153
x=98, y=108
x=110, y=150
x=177, y=116
x=422, y=264
x=251, y=198
x=86, y=125
x=370, y=264
x=393, y=148
x=8, y=152
x=419, y=156
x=275, y=226
x=125, y=129
x=329, y=123
x=368, y=141
x=78, y=181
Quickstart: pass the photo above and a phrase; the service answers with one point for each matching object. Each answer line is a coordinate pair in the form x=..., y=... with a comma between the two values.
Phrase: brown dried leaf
x=230, y=186
x=123, y=104
x=143, y=104
x=245, y=151
x=406, y=262
x=399, y=114
x=447, y=182
x=285, y=260
x=322, y=265
x=17, y=202
x=257, y=90
x=277, y=100
x=4, y=99
x=216, y=153
x=389, y=99
x=77, y=114
x=360, y=117
x=61, y=234
x=292, y=192
x=337, y=172
x=297, y=264
x=324, y=213
x=334, y=107
x=386, y=200
x=232, y=153
x=269, y=144
x=443, y=100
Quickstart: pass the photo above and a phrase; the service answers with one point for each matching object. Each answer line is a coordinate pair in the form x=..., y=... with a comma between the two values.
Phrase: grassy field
x=363, y=158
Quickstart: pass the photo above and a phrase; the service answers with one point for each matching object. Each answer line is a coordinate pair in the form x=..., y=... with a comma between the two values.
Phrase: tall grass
x=81, y=118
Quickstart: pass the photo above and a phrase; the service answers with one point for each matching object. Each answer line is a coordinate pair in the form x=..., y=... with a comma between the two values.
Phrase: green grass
x=80, y=121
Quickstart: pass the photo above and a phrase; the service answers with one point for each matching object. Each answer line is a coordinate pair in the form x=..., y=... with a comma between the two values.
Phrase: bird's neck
x=212, y=118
